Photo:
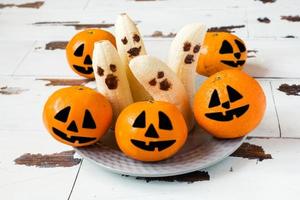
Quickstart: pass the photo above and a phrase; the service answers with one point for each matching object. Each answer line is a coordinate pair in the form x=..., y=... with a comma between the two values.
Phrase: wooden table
x=33, y=65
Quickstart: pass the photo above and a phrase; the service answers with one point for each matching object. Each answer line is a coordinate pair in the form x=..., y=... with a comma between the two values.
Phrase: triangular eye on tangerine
x=233, y=94
x=214, y=100
x=226, y=47
x=63, y=114
x=140, y=121
x=72, y=111
x=79, y=51
x=241, y=46
x=164, y=121
x=88, y=120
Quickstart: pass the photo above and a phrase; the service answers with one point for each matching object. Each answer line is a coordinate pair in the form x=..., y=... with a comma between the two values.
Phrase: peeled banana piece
x=130, y=44
x=184, y=53
x=162, y=84
x=110, y=75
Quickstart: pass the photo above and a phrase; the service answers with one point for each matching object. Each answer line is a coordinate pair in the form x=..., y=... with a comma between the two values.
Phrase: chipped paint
x=35, y=5
x=65, y=82
x=290, y=36
x=250, y=52
x=11, y=90
x=86, y=26
x=75, y=24
x=291, y=18
x=56, y=45
x=290, y=89
x=251, y=151
x=55, y=23
x=228, y=29
x=267, y=1
x=160, y=34
x=62, y=159
x=184, y=178
x=264, y=20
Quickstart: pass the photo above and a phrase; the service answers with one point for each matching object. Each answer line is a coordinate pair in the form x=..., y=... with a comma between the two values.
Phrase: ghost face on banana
x=130, y=44
x=129, y=41
x=184, y=53
x=110, y=75
x=162, y=84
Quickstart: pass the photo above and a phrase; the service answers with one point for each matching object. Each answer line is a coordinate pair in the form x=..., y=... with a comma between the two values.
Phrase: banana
x=184, y=53
x=130, y=44
x=162, y=84
x=110, y=75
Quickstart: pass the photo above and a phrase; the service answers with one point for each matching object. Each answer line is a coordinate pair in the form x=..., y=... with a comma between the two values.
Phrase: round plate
x=200, y=151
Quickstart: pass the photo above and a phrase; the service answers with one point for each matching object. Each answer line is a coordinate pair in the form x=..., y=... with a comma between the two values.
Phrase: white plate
x=200, y=151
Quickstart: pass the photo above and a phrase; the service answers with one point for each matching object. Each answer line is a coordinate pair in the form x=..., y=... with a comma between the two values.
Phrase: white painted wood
x=45, y=63
x=277, y=27
x=288, y=109
x=199, y=4
x=269, y=179
x=12, y=54
x=23, y=182
x=60, y=4
x=275, y=58
x=146, y=20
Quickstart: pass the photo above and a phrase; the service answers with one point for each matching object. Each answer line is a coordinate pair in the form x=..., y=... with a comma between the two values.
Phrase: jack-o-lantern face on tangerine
x=229, y=104
x=77, y=120
x=80, y=50
x=221, y=51
x=230, y=113
x=150, y=131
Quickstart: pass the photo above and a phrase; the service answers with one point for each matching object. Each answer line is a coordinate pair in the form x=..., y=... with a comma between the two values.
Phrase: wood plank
x=12, y=54
x=199, y=4
x=277, y=27
x=61, y=4
x=288, y=106
x=274, y=58
x=33, y=26
x=45, y=63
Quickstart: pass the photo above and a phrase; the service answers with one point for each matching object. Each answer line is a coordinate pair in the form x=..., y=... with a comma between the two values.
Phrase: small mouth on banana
x=135, y=51
x=189, y=59
x=165, y=85
x=111, y=81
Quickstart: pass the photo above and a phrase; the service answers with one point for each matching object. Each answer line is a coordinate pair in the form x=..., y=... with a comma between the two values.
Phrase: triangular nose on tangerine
x=151, y=132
